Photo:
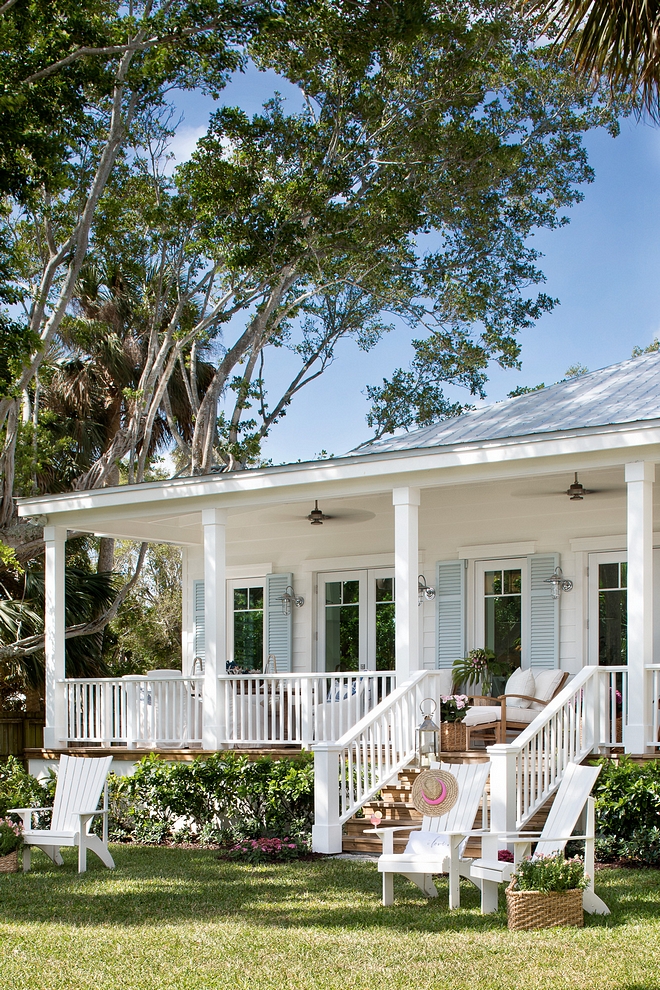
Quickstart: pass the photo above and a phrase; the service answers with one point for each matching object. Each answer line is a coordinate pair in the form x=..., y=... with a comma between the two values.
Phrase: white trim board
x=606, y=542
x=488, y=550
x=357, y=562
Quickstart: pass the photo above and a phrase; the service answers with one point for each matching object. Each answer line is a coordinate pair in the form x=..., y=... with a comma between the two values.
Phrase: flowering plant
x=479, y=666
x=453, y=707
x=11, y=836
x=550, y=873
x=265, y=850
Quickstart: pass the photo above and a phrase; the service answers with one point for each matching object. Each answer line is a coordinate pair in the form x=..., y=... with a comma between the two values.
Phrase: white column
x=406, y=570
x=56, y=731
x=639, y=480
x=215, y=607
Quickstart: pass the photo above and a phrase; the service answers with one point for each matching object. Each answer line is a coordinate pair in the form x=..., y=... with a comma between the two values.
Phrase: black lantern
x=428, y=735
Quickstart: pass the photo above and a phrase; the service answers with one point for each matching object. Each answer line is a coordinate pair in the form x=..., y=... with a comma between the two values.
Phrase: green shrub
x=550, y=873
x=628, y=811
x=225, y=797
x=19, y=789
x=643, y=846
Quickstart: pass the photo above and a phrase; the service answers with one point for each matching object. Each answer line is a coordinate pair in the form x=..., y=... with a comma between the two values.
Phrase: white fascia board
x=425, y=468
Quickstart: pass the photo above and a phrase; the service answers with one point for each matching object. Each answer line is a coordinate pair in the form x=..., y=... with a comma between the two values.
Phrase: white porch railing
x=168, y=711
x=299, y=708
x=654, y=674
x=135, y=711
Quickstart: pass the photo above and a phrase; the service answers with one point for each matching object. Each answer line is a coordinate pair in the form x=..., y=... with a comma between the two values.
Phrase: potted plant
x=11, y=840
x=453, y=734
x=546, y=891
x=478, y=667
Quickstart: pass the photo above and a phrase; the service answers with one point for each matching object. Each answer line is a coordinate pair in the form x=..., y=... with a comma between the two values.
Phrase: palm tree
x=615, y=39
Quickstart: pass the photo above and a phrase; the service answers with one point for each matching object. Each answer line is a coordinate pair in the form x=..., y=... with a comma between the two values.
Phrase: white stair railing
x=350, y=771
x=587, y=716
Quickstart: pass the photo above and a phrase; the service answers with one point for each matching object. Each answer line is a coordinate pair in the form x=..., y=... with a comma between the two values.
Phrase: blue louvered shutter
x=199, y=640
x=279, y=627
x=450, y=598
x=543, y=618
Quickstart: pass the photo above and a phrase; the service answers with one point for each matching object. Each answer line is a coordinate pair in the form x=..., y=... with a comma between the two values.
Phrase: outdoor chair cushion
x=483, y=714
x=547, y=682
x=520, y=682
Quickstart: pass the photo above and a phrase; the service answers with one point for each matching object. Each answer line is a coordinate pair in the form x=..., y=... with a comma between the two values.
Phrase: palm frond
x=615, y=39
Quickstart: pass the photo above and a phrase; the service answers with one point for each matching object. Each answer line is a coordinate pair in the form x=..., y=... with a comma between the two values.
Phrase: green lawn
x=175, y=918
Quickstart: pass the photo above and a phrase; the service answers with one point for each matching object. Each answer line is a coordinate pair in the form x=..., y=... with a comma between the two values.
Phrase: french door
x=356, y=620
x=608, y=609
x=500, y=612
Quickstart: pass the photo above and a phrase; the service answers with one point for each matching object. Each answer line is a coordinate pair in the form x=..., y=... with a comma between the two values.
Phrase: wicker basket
x=453, y=737
x=9, y=863
x=531, y=909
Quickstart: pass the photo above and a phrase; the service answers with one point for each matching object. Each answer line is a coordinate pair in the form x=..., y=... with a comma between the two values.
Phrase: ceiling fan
x=576, y=491
x=317, y=517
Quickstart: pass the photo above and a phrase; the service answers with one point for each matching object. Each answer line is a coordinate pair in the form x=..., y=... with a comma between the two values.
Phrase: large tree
x=297, y=229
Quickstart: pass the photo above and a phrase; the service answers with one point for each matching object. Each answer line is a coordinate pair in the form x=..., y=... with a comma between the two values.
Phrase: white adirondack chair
x=421, y=864
x=572, y=797
x=80, y=781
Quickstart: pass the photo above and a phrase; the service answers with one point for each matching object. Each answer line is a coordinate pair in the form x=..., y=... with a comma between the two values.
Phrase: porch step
x=397, y=809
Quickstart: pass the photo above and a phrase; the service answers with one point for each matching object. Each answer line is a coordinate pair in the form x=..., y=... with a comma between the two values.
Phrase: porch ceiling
x=363, y=523
x=530, y=470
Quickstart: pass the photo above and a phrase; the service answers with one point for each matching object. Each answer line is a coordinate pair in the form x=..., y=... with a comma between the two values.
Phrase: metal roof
x=623, y=393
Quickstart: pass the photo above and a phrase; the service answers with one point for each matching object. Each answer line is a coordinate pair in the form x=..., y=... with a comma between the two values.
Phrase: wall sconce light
x=290, y=598
x=423, y=590
x=558, y=582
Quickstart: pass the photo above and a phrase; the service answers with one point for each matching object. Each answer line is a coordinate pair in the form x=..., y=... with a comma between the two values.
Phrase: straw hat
x=435, y=792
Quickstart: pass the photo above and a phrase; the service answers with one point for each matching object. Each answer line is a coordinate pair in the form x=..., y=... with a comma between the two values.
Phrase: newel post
x=503, y=797
x=639, y=482
x=56, y=728
x=326, y=830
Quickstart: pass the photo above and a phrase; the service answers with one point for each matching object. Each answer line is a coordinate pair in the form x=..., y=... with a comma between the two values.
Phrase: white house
x=350, y=637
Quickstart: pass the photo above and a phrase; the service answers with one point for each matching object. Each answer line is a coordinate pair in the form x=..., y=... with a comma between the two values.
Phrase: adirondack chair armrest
x=414, y=827
x=473, y=832
x=26, y=814
x=386, y=835
x=97, y=811
x=523, y=836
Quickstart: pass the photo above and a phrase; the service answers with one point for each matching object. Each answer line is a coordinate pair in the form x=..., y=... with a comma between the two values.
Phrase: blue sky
x=604, y=267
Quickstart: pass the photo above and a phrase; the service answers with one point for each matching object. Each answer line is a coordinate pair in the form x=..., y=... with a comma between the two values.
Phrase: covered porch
x=431, y=523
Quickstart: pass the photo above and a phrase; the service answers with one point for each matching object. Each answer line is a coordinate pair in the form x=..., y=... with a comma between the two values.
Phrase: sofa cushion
x=485, y=714
x=547, y=682
x=482, y=714
x=520, y=682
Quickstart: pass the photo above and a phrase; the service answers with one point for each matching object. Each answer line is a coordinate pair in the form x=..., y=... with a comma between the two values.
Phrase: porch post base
x=326, y=839
x=55, y=737
x=636, y=739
